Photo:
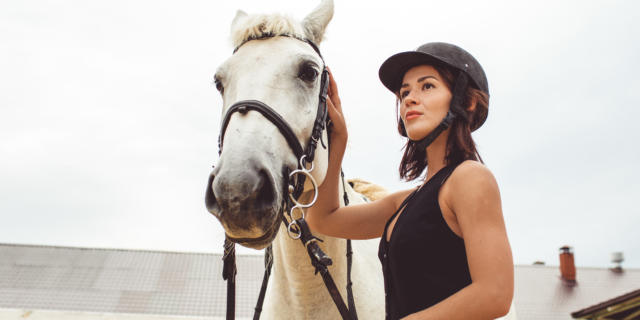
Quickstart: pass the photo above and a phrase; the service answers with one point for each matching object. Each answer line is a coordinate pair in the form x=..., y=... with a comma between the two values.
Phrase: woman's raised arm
x=359, y=221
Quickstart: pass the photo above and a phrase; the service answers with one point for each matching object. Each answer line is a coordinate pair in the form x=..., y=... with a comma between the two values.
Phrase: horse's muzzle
x=245, y=202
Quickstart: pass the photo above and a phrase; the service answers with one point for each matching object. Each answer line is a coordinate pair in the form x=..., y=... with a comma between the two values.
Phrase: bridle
x=297, y=228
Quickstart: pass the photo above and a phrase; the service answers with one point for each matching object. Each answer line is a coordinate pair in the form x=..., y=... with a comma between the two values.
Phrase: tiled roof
x=126, y=281
x=541, y=294
x=190, y=284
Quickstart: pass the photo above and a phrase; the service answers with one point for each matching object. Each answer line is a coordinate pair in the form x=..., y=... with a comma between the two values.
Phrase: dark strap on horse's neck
x=352, y=304
x=268, y=262
x=229, y=274
x=320, y=261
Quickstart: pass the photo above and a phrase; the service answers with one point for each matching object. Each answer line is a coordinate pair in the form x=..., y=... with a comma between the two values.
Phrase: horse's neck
x=296, y=277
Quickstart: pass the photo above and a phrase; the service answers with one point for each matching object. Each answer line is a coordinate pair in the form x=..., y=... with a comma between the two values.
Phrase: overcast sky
x=109, y=119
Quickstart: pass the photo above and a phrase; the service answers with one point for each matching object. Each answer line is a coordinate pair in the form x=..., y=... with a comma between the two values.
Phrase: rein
x=297, y=228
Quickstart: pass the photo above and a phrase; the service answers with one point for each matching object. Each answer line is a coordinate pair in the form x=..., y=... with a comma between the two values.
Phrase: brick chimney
x=567, y=266
x=617, y=258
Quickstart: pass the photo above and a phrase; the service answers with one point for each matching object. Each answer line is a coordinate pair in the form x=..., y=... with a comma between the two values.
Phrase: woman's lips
x=412, y=115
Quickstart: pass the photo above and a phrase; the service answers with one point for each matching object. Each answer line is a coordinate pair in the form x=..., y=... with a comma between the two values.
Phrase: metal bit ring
x=299, y=209
x=315, y=189
x=295, y=235
x=303, y=163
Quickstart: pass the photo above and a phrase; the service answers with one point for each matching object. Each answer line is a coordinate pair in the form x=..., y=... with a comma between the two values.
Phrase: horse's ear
x=240, y=15
x=316, y=22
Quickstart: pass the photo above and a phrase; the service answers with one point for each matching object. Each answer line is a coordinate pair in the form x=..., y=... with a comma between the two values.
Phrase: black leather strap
x=271, y=35
x=229, y=274
x=320, y=261
x=268, y=262
x=335, y=294
x=350, y=301
x=352, y=304
x=267, y=112
x=321, y=117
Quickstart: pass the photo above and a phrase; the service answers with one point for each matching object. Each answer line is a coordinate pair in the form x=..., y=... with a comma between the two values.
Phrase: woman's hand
x=339, y=134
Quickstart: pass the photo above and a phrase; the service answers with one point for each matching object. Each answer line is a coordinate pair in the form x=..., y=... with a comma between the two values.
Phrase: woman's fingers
x=339, y=132
x=334, y=114
x=333, y=92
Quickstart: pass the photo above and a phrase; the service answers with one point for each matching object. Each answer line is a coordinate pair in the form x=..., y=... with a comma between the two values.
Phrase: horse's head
x=247, y=187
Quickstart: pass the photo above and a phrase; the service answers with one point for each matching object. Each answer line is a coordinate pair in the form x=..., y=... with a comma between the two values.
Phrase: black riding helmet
x=469, y=73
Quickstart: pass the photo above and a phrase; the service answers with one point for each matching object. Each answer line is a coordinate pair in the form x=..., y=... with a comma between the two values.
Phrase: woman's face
x=424, y=100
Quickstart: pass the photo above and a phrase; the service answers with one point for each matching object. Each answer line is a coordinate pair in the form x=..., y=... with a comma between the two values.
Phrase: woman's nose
x=409, y=100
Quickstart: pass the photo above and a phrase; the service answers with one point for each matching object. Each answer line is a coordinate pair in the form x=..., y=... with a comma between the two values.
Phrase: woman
x=443, y=247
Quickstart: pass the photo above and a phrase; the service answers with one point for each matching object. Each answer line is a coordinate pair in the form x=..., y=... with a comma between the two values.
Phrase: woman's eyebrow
x=421, y=79
x=425, y=78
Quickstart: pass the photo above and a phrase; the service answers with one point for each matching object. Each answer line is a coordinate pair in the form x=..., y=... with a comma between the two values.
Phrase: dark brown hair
x=460, y=144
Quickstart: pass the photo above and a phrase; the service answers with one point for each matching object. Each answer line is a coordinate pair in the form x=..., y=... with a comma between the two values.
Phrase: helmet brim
x=393, y=69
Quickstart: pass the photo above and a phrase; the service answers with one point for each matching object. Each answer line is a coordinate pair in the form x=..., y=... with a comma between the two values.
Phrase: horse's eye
x=219, y=85
x=308, y=73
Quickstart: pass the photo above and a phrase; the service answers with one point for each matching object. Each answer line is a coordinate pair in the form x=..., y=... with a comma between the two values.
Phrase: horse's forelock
x=256, y=26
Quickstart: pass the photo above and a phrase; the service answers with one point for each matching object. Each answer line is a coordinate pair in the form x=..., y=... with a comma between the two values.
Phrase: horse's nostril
x=266, y=194
x=209, y=197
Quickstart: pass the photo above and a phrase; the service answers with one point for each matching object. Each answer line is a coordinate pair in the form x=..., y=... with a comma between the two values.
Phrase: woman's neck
x=436, y=153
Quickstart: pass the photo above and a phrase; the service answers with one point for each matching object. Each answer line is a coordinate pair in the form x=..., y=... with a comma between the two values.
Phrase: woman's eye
x=404, y=94
x=427, y=86
x=308, y=73
x=219, y=86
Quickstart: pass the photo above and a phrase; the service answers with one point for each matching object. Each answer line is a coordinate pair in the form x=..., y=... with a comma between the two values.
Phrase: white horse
x=246, y=187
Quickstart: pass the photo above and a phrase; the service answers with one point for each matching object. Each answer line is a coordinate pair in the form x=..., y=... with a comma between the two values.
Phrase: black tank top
x=424, y=262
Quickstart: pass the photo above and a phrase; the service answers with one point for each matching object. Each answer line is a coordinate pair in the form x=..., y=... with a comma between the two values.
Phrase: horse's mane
x=370, y=190
x=256, y=26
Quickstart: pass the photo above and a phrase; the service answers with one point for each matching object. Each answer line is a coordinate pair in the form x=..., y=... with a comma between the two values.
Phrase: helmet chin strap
x=456, y=105
x=444, y=124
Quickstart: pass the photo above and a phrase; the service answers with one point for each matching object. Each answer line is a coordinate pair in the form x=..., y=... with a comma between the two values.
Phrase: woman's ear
x=472, y=104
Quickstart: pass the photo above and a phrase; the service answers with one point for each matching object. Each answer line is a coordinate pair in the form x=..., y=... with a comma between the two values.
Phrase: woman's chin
x=417, y=134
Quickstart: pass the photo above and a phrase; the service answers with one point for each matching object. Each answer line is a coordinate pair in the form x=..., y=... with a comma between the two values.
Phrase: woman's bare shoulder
x=471, y=179
x=472, y=172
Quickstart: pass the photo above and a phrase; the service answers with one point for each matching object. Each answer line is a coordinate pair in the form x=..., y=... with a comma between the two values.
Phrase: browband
x=272, y=35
